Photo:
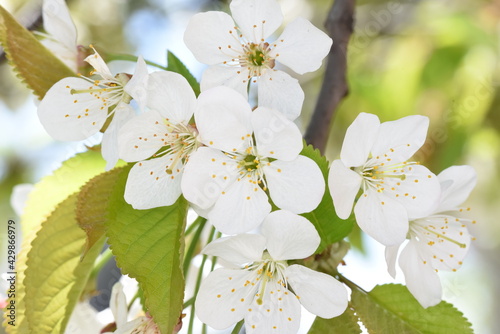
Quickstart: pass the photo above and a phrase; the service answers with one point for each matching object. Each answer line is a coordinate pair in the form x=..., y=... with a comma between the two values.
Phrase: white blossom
x=439, y=241
x=260, y=287
x=249, y=155
x=374, y=159
x=239, y=53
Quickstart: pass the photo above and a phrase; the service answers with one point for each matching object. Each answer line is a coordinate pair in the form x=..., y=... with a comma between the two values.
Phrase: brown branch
x=339, y=24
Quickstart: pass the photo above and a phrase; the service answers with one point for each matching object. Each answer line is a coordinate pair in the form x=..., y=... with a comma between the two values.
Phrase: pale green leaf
x=34, y=64
x=329, y=226
x=392, y=309
x=49, y=192
x=176, y=65
x=55, y=276
x=346, y=323
x=149, y=246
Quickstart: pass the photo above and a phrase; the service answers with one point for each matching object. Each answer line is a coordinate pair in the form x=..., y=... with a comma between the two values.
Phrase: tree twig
x=339, y=24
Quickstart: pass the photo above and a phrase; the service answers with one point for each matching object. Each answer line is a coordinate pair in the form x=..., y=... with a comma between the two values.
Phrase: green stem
x=101, y=262
x=112, y=56
x=350, y=284
x=189, y=302
x=188, y=256
x=198, y=282
x=237, y=328
x=193, y=225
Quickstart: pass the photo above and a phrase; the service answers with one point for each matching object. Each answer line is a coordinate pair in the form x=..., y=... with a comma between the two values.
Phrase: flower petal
x=118, y=304
x=405, y=136
x=212, y=38
x=199, y=185
x=382, y=218
x=223, y=119
x=224, y=297
x=230, y=76
x=256, y=19
x=109, y=147
x=239, y=249
x=240, y=208
x=150, y=186
x=137, y=86
x=58, y=23
x=344, y=185
x=278, y=313
x=96, y=61
x=359, y=139
x=319, y=293
x=277, y=90
x=391, y=255
x=289, y=236
x=67, y=116
x=171, y=95
x=302, y=47
x=297, y=186
x=142, y=136
x=276, y=136
x=460, y=181
x=421, y=279
x=418, y=192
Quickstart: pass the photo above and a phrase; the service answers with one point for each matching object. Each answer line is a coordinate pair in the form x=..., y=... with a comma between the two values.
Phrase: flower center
x=256, y=58
x=250, y=166
x=270, y=270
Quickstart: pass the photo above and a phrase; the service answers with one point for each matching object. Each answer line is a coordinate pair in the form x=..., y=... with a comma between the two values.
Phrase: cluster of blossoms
x=234, y=162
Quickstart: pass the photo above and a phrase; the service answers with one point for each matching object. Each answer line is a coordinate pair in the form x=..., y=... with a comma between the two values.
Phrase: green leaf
x=346, y=323
x=55, y=276
x=177, y=66
x=42, y=200
x=149, y=246
x=92, y=205
x=392, y=309
x=329, y=226
x=34, y=64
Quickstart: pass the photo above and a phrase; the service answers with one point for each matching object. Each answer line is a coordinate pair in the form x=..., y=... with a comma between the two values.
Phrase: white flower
x=248, y=154
x=439, y=241
x=164, y=133
x=61, y=32
x=260, y=287
x=240, y=54
x=374, y=158
x=77, y=108
x=119, y=308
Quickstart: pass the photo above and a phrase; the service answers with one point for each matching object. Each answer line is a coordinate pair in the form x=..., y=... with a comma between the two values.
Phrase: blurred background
x=434, y=58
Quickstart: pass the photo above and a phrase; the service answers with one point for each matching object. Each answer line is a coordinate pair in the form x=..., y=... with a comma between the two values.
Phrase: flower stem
x=188, y=256
x=237, y=327
x=101, y=262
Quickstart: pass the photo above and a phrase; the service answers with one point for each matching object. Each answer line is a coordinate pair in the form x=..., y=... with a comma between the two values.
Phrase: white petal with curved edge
x=442, y=240
x=137, y=86
x=207, y=173
x=405, y=136
x=224, y=297
x=109, y=147
x=256, y=19
x=463, y=180
x=319, y=293
x=171, y=95
x=276, y=136
x=302, y=47
x=278, y=313
x=230, y=76
x=96, y=61
x=382, y=218
x=223, y=119
x=118, y=304
x=150, y=186
x=391, y=255
x=289, y=236
x=359, y=139
x=344, y=185
x=212, y=38
x=241, y=208
x=421, y=279
x=67, y=116
x=68, y=56
x=239, y=249
x=58, y=23
x=277, y=90
x=142, y=136
x=297, y=185
x=419, y=192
